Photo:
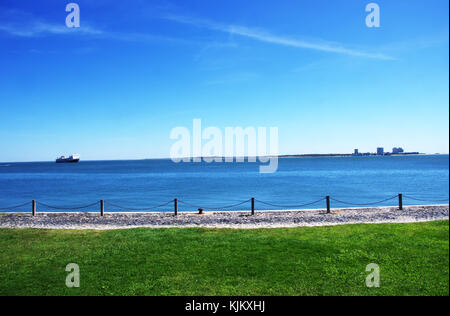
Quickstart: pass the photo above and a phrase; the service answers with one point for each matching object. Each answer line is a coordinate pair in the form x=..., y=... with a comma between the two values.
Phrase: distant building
x=356, y=153
x=397, y=150
x=380, y=151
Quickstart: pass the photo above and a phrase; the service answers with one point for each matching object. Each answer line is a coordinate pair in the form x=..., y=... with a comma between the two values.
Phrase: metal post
x=253, y=206
x=33, y=208
x=175, y=206
x=102, y=207
x=400, y=202
x=328, y=205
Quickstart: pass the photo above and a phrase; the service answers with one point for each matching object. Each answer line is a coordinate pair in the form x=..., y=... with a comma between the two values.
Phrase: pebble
x=234, y=219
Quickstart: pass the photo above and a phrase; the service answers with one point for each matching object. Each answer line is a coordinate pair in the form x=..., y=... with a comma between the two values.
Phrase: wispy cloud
x=38, y=28
x=41, y=28
x=31, y=27
x=264, y=36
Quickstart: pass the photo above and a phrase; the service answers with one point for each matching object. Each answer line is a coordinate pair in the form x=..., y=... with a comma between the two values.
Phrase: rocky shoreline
x=262, y=219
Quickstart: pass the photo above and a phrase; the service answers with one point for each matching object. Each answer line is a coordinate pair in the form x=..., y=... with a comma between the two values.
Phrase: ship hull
x=67, y=160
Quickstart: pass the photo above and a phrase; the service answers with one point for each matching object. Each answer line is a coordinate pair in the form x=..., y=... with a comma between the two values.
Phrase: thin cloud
x=41, y=29
x=263, y=36
x=33, y=27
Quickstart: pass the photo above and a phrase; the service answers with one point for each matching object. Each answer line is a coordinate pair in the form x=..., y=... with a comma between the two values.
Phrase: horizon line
x=281, y=156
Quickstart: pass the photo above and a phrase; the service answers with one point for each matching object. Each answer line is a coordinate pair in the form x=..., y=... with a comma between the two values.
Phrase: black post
x=200, y=211
x=328, y=205
x=253, y=206
x=33, y=208
x=102, y=207
x=175, y=206
x=400, y=202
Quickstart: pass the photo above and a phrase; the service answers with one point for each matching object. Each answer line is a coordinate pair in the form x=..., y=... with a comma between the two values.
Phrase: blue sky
x=115, y=87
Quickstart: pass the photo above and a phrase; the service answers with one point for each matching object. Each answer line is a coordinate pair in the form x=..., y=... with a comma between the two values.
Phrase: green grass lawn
x=413, y=258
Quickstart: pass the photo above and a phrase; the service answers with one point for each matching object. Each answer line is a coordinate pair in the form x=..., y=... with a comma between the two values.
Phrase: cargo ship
x=70, y=159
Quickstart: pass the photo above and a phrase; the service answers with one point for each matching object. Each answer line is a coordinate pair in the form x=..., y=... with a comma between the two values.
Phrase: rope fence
x=137, y=209
x=290, y=206
x=422, y=200
x=252, y=201
x=67, y=208
x=14, y=207
x=364, y=204
x=214, y=208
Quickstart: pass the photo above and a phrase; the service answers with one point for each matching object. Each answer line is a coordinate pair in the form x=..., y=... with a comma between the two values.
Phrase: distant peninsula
x=347, y=155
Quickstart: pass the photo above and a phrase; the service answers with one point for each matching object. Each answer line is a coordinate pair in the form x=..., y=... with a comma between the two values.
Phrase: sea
x=152, y=185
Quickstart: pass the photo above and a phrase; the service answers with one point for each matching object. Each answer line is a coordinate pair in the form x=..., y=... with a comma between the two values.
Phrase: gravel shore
x=262, y=219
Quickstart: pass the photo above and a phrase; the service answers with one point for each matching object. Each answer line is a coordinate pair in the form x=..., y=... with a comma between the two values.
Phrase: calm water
x=141, y=184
